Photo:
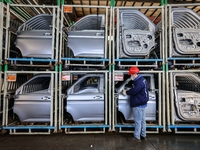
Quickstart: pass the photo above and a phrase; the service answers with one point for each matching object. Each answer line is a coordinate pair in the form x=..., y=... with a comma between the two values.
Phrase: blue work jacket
x=139, y=94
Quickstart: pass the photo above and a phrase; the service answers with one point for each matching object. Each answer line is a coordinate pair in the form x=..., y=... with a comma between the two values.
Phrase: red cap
x=133, y=70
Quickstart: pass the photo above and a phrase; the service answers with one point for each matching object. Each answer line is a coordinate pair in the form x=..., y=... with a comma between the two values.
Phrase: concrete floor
x=107, y=141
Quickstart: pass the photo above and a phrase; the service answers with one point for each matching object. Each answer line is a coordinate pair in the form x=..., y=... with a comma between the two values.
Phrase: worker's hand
x=124, y=92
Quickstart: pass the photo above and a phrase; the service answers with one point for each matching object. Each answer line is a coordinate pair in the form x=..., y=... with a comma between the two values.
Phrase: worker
x=139, y=97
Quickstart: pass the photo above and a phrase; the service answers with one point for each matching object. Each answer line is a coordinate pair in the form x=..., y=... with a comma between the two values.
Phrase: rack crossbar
x=126, y=128
x=184, y=126
x=85, y=126
x=183, y=58
x=183, y=129
x=132, y=126
x=139, y=60
x=32, y=59
x=86, y=59
x=85, y=129
x=185, y=61
x=29, y=127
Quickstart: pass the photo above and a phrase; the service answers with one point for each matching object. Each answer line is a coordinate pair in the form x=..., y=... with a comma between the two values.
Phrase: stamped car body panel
x=84, y=99
x=34, y=37
x=185, y=31
x=86, y=103
x=137, y=33
x=32, y=100
x=89, y=33
x=31, y=107
x=186, y=96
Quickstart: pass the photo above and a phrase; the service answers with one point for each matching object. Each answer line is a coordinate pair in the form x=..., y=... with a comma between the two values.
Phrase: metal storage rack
x=16, y=10
x=183, y=51
x=152, y=126
x=81, y=127
x=17, y=66
x=124, y=59
x=179, y=63
x=88, y=65
x=67, y=55
x=110, y=65
x=10, y=121
x=182, y=126
x=149, y=65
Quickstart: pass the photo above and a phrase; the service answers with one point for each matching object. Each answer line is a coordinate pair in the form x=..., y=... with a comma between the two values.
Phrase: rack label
x=119, y=77
x=67, y=9
x=12, y=77
x=66, y=77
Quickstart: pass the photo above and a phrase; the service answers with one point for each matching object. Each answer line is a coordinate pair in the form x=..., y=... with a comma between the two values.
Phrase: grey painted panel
x=86, y=38
x=88, y=104
x=87, y=43
x=34, y=37
x=32, y=100
x=35, y=43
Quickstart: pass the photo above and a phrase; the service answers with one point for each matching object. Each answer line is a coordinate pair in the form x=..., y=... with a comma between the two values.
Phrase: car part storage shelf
x=182, y=68
x=22, y=61
x=36, y=42
x=114, y=26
